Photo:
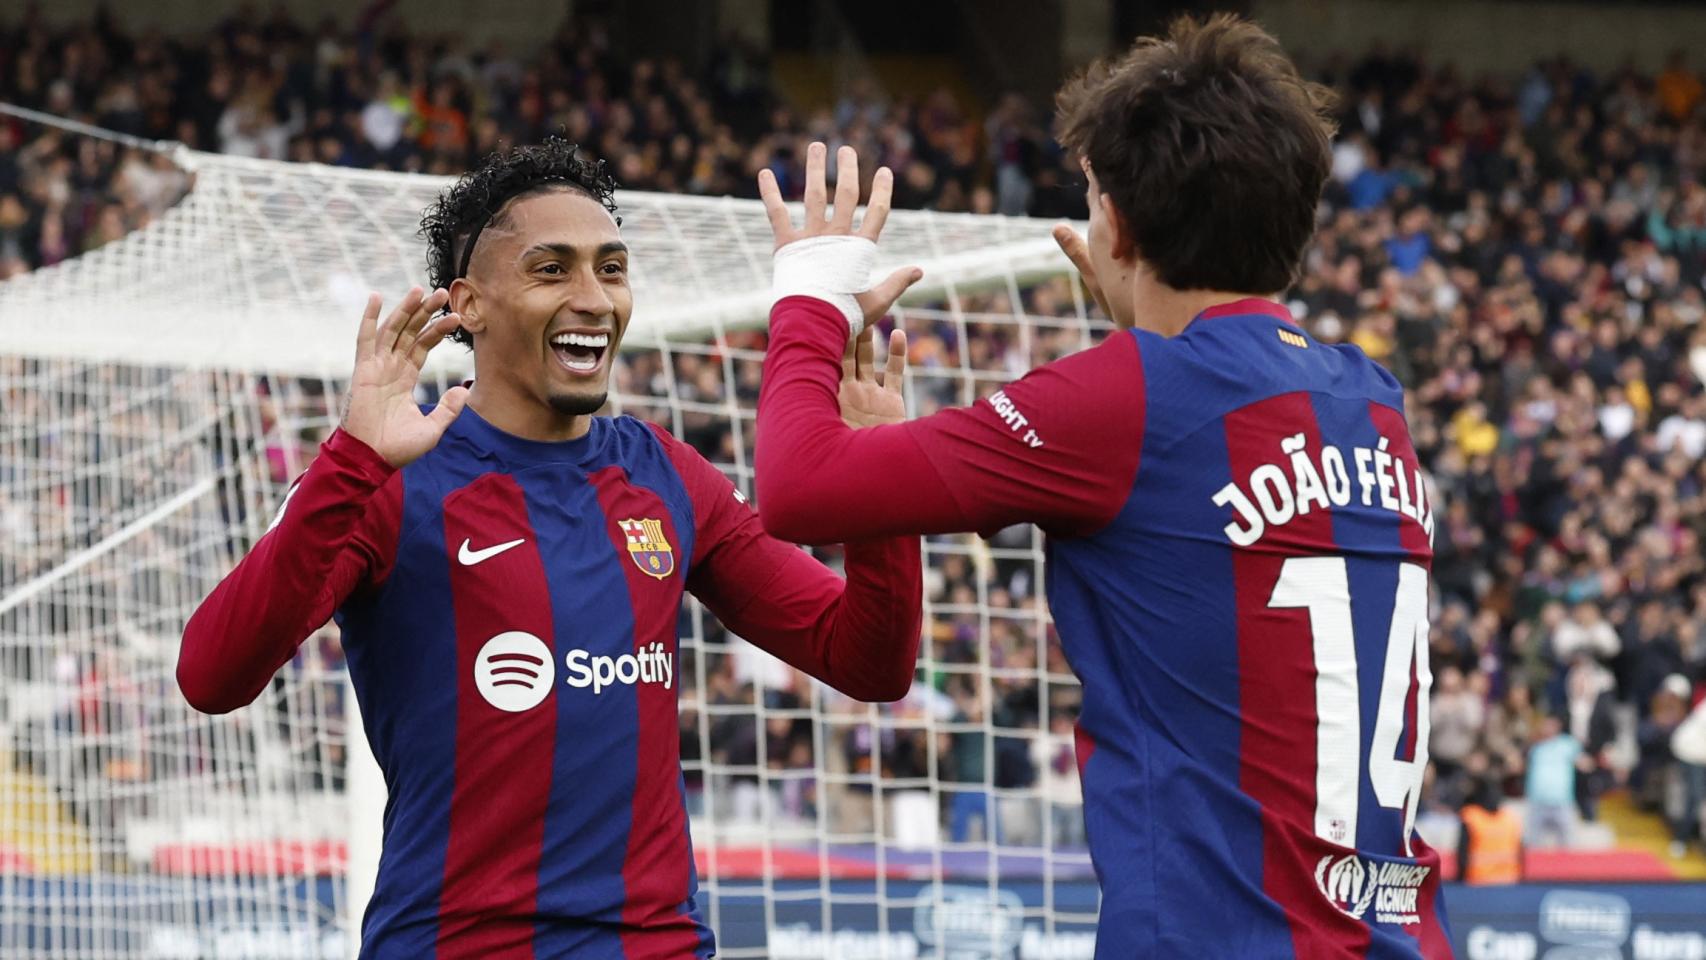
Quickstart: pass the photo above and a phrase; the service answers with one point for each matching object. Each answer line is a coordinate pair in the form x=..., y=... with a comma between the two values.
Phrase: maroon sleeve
x=335, y=533
x=1058, y=447
x=859, y=635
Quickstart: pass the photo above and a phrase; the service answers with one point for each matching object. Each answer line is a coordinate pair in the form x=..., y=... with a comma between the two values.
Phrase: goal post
x=158, y=394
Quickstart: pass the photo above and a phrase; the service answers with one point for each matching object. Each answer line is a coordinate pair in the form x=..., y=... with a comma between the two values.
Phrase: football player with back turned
x=1238, y=530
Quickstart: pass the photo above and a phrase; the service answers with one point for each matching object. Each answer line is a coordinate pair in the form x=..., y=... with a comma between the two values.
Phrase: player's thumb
x=877, y=300
x=449, y=408
x=1073, y=246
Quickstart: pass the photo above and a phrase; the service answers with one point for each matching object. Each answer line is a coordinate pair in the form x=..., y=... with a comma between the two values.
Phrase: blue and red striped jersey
x=509, y=611
x=1237, y=564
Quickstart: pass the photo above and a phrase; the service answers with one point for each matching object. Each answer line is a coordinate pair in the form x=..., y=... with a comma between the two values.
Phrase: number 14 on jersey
x=1322, y=586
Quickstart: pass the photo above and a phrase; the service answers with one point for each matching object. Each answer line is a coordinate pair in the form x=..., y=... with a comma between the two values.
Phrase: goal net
x=158, y=394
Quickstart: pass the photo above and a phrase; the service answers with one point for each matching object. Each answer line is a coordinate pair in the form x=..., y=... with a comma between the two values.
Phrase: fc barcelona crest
x=648, y=547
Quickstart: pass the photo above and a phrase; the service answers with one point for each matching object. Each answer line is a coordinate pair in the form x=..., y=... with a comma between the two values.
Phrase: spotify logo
x=514, y=671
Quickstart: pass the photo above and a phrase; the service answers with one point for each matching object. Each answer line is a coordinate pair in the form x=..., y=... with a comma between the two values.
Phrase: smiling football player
x=508, y=570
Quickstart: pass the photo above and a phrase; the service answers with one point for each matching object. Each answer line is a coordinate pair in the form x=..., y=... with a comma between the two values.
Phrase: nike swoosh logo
x=471, y=557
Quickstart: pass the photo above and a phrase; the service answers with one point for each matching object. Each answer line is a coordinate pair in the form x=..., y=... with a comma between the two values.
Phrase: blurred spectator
x=1653, y=653
x=1489, y=851
x=1055, y=751
x=1512, y=724
x=1662, y=781
x=1688, y=744
x=965, y=768
x=1586, y=633
x=1551, y=786
x=1679, y=88
x=1684, y=430
x=1456, y=722
x=1588, y=707
x=387, y=116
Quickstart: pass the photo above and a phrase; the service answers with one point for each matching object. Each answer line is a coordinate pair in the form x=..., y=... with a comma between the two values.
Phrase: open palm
x=381, y=410
x=821, y=220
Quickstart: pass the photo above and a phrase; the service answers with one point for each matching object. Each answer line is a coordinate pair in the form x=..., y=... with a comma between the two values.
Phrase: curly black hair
x=453, y=223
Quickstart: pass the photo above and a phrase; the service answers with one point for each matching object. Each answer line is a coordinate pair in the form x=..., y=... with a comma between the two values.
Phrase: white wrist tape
x=831, y=268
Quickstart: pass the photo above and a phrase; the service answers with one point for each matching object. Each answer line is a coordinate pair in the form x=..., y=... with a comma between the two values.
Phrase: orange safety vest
x=1495, y=845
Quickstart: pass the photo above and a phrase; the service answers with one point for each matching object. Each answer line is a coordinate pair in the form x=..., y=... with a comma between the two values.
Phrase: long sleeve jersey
x=509, y=613
x=1238, y=553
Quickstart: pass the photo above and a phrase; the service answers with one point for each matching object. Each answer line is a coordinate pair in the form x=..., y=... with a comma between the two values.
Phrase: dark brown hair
x=1213, y=149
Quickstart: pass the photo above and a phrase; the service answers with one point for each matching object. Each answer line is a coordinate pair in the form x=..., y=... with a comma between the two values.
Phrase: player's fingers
x=1074, y=247
x=449, y=408
x=817, y=191
x=865, y=363
x=780, y=223
x=418, y=318
x=367, y=334
x=849, y=360
x=387, y=337
x=846, y=189
x=431, y=336
x=877, y=211
x=895, y=373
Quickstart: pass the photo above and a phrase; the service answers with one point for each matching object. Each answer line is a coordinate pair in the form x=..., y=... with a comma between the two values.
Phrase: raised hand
x=874, y=301
x=381, y=410
x=869, y=398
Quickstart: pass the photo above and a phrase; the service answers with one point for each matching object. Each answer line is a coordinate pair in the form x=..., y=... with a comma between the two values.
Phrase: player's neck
x=1161, y=309
x=518, y=415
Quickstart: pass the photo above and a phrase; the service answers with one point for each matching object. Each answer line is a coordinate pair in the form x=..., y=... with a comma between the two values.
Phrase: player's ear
x=1122, y=242
x=465, y=302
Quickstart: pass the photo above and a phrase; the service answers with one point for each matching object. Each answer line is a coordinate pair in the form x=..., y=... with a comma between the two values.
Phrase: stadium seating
x=1526, y=253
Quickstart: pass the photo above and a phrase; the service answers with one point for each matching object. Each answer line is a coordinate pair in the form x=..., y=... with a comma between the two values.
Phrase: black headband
x=468, y=247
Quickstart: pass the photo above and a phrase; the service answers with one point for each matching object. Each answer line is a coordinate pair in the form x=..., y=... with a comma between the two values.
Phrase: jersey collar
x=471, y=426
x=1249, y=306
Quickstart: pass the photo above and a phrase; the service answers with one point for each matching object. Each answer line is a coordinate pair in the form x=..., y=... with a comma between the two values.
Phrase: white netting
x=158, y=393
x=263, y=265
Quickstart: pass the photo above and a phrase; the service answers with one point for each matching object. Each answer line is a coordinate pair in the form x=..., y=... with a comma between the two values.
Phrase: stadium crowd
x=1525, y=252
